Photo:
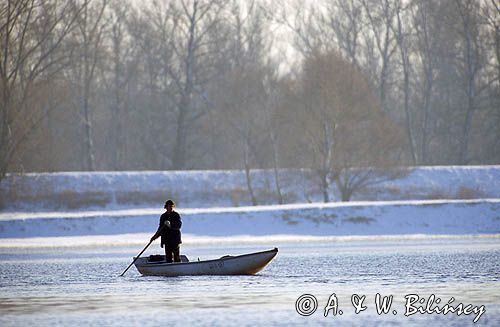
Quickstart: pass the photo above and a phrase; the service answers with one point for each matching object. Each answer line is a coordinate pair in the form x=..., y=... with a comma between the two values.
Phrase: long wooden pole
x=136, y=258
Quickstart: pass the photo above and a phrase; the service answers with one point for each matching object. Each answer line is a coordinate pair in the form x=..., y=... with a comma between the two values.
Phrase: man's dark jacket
x=170, y=236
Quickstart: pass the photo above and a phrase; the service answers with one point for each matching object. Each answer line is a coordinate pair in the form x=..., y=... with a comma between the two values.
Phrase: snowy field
x=214, y=208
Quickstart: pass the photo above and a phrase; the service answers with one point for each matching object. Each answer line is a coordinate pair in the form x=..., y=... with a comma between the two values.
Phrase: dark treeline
x=191, y=84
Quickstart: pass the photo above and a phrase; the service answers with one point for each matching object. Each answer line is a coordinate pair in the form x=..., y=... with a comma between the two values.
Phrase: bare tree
x=152, y=30
x=351, y=141
x=425, y=50
x=307, y=23
x=471, y=64
x=402, y=39
x=193, y=21
x=171, y=68
x=240, y=94
x=239, y=115
x=89, y=37
x=379, y=30
x=269, y=108
x=32, y=33
x=492, y=14
x=124, y=65
x=346, y=19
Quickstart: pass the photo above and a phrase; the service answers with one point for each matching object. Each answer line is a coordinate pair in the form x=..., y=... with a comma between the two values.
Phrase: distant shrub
x=137, y=198
x=291, y=222
x=266, y=196
x=5, y=198
x=21, y=192
x=394, y=190
x=238, y=196
x=62, y=200
x=438, y=195
x=73, y=200
x=359, y=220
x=465, y=192
x=323, y=218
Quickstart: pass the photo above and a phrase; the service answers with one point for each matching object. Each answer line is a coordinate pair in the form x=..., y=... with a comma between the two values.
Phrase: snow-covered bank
x=216, y=204
x=363, y=218
x=199, y=189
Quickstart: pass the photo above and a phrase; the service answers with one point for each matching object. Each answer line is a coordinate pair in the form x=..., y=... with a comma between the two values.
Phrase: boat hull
x=247, y=264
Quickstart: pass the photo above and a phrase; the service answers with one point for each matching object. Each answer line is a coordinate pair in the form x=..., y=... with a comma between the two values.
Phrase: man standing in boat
x=170, y=232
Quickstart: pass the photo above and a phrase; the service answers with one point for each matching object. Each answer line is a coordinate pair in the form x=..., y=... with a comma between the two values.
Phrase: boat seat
x=160, y=258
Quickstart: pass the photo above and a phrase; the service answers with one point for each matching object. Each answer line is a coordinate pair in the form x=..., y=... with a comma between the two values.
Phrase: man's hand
x=154, y=237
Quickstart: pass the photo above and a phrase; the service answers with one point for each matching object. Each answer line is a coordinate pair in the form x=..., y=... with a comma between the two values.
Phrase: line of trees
x=333, y=86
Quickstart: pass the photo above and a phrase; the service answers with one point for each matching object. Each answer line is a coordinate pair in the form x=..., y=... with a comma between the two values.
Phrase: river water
x=69, y=286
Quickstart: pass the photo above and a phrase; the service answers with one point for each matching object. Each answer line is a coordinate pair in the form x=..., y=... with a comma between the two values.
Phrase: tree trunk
x=406, y=82
x=345, y=194
x=179, y=161
x=87, y=114
x=428, y=74
x=425, y=122
x=91, y=43
x=276, y=170
x=117, y=133
x=328, y=141
x=274, y=145
x=464, y=148
x=246, y=155
x=471, y=62
x=324, y=185
x=89, y=144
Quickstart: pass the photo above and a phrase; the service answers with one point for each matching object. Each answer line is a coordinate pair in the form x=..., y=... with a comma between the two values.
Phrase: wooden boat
x=246, y=264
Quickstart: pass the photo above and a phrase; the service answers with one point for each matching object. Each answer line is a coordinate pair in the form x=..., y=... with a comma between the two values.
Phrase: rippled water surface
x=81, y=286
